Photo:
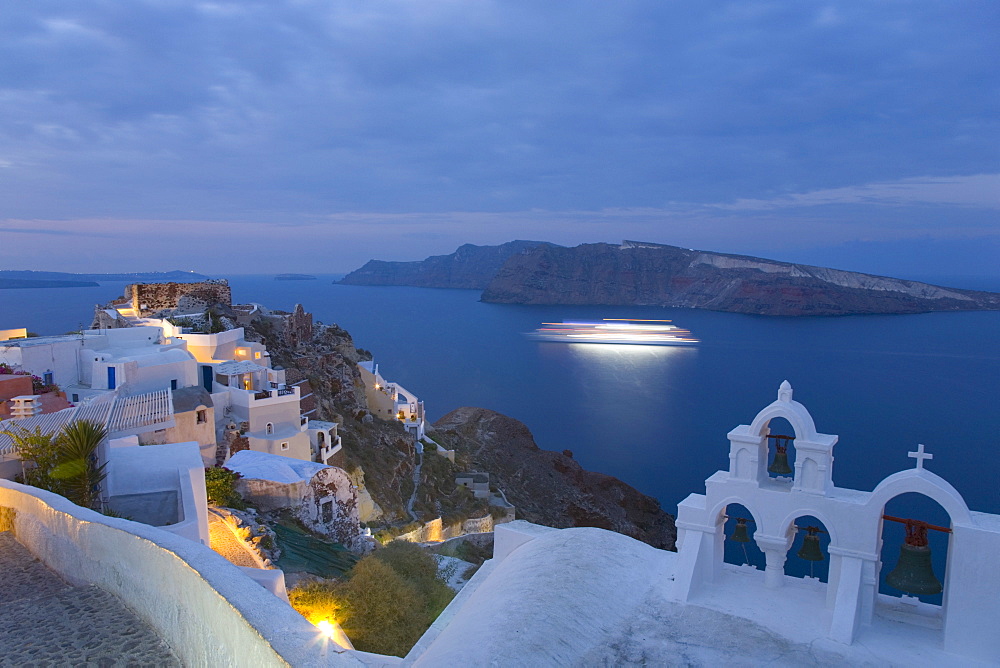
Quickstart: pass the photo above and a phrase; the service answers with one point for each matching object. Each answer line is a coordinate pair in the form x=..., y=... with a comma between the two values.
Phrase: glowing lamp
x=327, y=628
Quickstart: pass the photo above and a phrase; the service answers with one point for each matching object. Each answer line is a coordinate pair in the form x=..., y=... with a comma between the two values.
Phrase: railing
x=285, y=391
x=262, y=394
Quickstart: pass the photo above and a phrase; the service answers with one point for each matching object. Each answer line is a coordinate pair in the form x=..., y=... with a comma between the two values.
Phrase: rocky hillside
x=469, y=267
x=548, y=487
x=656, y=275
x=377, y=454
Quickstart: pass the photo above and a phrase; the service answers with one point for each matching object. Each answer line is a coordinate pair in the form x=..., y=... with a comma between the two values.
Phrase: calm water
x=657, y=417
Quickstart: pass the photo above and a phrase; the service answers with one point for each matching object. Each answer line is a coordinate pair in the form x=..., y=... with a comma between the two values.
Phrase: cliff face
x=650, y=274
x=549, y=487
x=469, y=267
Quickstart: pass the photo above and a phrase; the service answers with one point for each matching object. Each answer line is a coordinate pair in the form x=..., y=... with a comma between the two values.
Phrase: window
x=173, y=384
x=269, y=428
x=284, y=445
x=76, y=398
x=256, y=356
x=202, y=416
x=47, y=377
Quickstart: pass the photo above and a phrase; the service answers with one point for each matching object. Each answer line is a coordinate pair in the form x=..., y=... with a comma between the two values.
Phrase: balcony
x=275, y=391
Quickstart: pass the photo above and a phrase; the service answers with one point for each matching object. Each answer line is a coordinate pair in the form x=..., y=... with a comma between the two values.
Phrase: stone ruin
x=153, y=299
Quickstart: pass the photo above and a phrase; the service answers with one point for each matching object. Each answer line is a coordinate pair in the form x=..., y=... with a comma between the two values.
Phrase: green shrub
x=389, y=600
x=317, y=600
x=408, y=560
x=220, y=487
x=382, y=612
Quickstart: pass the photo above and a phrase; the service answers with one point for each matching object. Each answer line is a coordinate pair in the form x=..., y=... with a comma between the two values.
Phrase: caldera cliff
x=469, y=267
x=656, y=275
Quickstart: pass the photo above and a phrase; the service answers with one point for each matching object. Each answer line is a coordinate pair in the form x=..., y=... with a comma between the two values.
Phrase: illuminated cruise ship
x=616, y=330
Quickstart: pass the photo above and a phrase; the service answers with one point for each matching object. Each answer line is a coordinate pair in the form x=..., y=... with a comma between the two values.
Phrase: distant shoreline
x=15, y=283
x=294, y=277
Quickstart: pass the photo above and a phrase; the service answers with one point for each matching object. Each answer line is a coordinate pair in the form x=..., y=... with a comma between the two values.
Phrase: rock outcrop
x=549, y=487
x=656, y=275
x=469, y=267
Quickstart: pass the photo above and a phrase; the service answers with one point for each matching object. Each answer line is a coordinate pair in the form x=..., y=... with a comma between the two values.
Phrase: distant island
x=649, y=274
x=469, y=267
x=294, y=277
x=12, y=283
x=52, y=279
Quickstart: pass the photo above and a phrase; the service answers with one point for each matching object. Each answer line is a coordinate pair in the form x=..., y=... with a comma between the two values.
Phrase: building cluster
x=148, y=379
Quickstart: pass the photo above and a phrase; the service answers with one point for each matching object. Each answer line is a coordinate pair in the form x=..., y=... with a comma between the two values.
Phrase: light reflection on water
x=613, y=387
x=625, y=364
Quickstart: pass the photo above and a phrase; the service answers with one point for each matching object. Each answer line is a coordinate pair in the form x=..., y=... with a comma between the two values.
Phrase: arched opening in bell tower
x=780, y=448
x=914, y=554
x=809, y=555
x=739, y=547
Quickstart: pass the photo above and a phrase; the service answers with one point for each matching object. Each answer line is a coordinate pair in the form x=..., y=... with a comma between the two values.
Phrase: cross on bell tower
x=920, y=455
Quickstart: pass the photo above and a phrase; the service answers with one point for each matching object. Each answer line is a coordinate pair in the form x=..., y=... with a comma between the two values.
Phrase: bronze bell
x=914, y=573
x=810, y=550
x=740, y=534
x=780, y=464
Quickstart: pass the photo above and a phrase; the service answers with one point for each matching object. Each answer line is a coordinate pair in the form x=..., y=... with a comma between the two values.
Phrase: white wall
x=152, y=468
x=57, y=354
x=205, y=608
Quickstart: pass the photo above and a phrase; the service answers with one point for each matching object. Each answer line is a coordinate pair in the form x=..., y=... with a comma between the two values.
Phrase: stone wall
x=435, y=531
x=149, y=299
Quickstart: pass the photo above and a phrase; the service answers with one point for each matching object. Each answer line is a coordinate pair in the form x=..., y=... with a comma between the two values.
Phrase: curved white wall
x=206, y=609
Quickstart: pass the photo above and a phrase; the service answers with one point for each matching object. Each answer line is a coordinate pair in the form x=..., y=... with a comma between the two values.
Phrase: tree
x=419, y=569
x=78, y=467
x=36, y=448
x=382, y=612
x=64, y=463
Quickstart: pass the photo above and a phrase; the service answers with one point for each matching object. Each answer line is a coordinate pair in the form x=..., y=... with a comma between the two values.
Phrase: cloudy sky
x=248, y=137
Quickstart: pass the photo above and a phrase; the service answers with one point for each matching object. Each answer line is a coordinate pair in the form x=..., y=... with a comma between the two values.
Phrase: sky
x=312, y=136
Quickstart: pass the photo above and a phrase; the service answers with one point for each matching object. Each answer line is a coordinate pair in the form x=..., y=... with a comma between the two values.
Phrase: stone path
x=46, y=622
x=224, y=541
x=416, y=482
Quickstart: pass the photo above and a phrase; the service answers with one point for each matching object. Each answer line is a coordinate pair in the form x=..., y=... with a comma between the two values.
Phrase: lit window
x=256, y=356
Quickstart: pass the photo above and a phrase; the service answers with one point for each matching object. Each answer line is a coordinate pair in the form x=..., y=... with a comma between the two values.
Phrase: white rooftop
x=117, y=413
x=265, y=466
x=590, y=597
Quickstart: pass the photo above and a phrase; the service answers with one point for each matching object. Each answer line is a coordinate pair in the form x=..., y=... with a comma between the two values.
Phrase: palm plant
x=78, y=469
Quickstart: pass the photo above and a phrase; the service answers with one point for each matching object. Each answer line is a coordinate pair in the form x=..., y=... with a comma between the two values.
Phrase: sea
x=657, y=417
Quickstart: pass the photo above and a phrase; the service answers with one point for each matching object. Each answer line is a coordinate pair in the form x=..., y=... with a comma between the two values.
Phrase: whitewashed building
x=391, y=401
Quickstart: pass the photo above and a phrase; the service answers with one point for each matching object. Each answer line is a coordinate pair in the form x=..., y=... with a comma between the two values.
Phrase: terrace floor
x=47, y=622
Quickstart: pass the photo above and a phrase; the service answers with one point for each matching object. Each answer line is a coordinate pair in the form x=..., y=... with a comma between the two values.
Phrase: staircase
x=48, y=622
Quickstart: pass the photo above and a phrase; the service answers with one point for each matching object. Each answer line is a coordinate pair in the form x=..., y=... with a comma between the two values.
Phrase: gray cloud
x=304, y=112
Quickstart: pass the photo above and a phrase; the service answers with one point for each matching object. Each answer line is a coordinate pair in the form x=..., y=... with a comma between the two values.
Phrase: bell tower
x=813, y=472
x=849, y=604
